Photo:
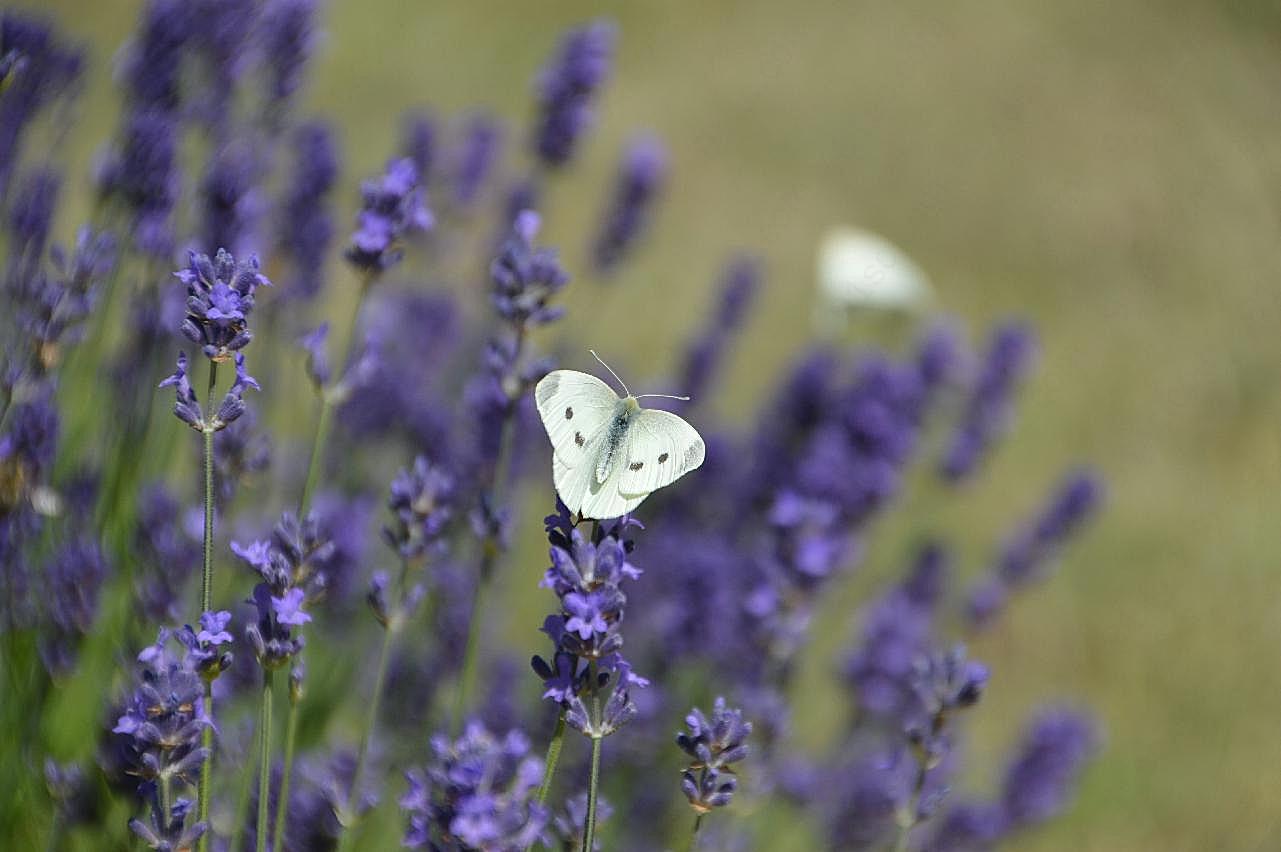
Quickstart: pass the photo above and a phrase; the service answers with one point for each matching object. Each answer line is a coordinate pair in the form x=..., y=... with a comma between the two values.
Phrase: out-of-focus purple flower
x=392, y=207
x=74, y=796
x=73, y=578
x=40, y=69
x=739, y=282
x=152, y=63
x=640, y=179
x=525, y=278
x=566, y=88
x=1028, y=554
x=29, y=442
x=222, y=37
x=422, y=506
x=165, y=834
x=141, y=174
x=565, y=830
x=30, y=218
x=967, y=827
x=477, y=793
x=940, y=357
x=897, y=631
x=232, y=204
x=345, y=522
x=313, y=344
x=288, y=34
x=1049, y=761
x=475, y=158
x=991, y=404
x=220, y=297
x=167, y=557
x=242, y=453
x=419, y=141
x=306, y=226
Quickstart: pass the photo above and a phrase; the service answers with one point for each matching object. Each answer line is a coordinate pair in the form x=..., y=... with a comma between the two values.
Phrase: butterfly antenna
x=664, y=396
x=611, y=371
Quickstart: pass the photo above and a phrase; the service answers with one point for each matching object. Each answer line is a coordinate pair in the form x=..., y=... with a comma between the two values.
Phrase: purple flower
x=566, y=88
x=477, y=793
x=422, y=506
x=220, y=295
x=288, y=34
x=231, y=201
x=639, y=181
x=306, y=226
x=717, y=742
x=475, y=159
x=213, y=628
x=186, y=406
x=289, y=608
x=1044, y=773
x=1027, y=555
x=141, y=174
x=73, y=579
x=166, y=557
x=419, y=141
x=30, y=218
x=990, y=407
x=739, y=282
x=392, y=207
x=525, y=278
x=152, y=65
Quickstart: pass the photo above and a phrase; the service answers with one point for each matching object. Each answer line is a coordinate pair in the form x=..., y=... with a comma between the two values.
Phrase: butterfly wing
x=575, y=408
x=581, y=492
x=659, y=449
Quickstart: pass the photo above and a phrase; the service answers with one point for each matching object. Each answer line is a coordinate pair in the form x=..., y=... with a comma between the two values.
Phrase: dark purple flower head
x=422, y=506
x=30, y=218
x=476, y=156
x=162, y=720
x=141, y=174
x=967, y=827
x=739, y=282
x=28, y=445
x=419, y=141
x=230, y=198
x=477, y=793
x=288, y=33
x=73, y=579
x=640, y=179
x=313, y=344
x=203, y=654
x=717, y=742
x=990, y=408
x=177, y=831
x=74, y=794
x=566, y=829
x=1028, y=554
x=37, y=70
x=220, y=297
x=1044, y=773
x=52, y=309
x=152, y=65
x=305, y=223
x=566, y=88
x=392, y=207
x=940, y=357
x=525, y=278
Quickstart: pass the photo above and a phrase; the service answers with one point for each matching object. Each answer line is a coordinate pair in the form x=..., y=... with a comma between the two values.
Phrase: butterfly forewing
x=575, y=408
x=659, y=449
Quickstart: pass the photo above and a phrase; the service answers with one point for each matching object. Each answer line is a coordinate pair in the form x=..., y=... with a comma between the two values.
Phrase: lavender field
x=308, y=539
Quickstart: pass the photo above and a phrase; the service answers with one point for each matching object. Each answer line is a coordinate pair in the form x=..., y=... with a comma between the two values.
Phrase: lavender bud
x=640, y=178
x=566, y=89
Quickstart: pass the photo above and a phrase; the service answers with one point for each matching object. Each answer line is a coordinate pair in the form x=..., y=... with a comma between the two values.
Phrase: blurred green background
x=1111, y=171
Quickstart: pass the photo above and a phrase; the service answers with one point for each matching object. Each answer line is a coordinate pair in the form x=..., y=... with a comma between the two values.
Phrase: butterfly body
x=609, y=453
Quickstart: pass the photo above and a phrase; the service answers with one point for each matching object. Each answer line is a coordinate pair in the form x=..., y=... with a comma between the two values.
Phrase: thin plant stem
x=242, y=802
x=264, y=760
x=165, y=799
x=206, y=604
x=913, y=804
x=467, y=675
x=371, y=719
x=553, y=758
x=282, y=796
x=593, y=783
x=550, y=761
x=693, y=835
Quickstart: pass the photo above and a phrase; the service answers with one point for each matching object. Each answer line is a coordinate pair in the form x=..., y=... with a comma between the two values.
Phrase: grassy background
x=1111, y=171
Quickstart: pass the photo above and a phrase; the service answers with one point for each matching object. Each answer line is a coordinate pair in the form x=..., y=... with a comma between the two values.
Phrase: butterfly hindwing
x=575, y=407
x=659, y=449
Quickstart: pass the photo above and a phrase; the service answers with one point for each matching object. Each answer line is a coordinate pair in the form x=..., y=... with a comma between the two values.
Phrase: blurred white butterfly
x=859, y=269
x=609, y=454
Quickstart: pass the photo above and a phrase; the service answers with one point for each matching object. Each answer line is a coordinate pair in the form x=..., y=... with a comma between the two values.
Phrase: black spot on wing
x=662, y=458
x=579, y=439
x=636, y=465
x=569, y=413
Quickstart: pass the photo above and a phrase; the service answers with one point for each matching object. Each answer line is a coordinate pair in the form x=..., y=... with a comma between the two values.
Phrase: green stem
x=206, y=604
x=264, y=759
x=165, y=799
x=553, y=757
x=348, y=817
x=467, y=675
x=317, y=453
x=909, y=819
x=242, y=803
x=282, y=796
x=589, y=828
x=693, y=835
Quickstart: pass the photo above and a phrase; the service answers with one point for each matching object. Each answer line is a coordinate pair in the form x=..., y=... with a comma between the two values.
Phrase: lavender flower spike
x=640, y=179
x=1050, y=759
x=220, y=297
x=566, y=88
x=714, y=745
x=392, y=208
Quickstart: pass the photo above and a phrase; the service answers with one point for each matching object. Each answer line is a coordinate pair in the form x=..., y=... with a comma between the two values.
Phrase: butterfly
x=609, y=454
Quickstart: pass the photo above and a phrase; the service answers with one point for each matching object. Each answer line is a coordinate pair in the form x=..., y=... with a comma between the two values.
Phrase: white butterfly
x=609, y=453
